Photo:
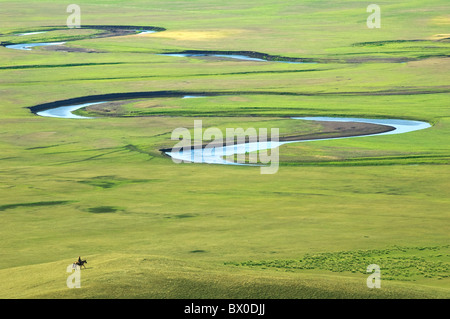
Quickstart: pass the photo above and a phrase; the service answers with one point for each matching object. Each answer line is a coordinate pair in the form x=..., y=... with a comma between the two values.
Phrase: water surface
x=30, y=33
x=231, y=56
x=65, y=112
x=29, y=46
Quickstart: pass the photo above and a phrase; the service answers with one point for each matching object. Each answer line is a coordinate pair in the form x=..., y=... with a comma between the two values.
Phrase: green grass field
x=150, y=228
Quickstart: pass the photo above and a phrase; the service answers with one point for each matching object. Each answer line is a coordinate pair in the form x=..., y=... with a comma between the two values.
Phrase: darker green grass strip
x=35, y=204
x=45, y=66
x=379, y=161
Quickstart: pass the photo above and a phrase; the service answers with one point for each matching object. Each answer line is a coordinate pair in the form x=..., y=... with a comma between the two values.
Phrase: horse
x=81, y=264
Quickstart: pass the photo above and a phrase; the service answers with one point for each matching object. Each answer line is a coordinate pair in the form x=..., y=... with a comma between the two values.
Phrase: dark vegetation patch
x=103, y=209
x=150, y=153
x=34, y=204
x=48, y=146
x=198, y=251
x=182, y=216
x=382, y=43
x=113, y=181
x=398, y=263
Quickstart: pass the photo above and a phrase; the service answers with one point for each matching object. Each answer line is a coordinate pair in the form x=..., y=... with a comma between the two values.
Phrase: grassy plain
x=150, y=228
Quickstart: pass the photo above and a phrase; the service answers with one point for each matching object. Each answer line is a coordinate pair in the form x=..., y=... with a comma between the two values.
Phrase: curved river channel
x=254, y=56
x=216, y=154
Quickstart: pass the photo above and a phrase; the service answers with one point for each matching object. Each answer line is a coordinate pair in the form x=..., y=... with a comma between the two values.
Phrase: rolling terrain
x=149, y=228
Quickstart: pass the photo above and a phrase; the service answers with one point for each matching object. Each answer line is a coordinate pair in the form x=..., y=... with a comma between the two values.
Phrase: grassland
x=150, y=228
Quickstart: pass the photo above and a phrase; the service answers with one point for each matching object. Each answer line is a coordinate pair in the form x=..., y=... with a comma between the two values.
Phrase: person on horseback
x=80, y=262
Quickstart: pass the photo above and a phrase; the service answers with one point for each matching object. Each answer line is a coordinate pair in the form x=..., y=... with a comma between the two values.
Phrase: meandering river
x=216, y=155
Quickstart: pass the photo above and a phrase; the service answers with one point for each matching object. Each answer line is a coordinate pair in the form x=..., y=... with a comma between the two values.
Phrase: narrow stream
x=230, y=56
x=29, y=46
